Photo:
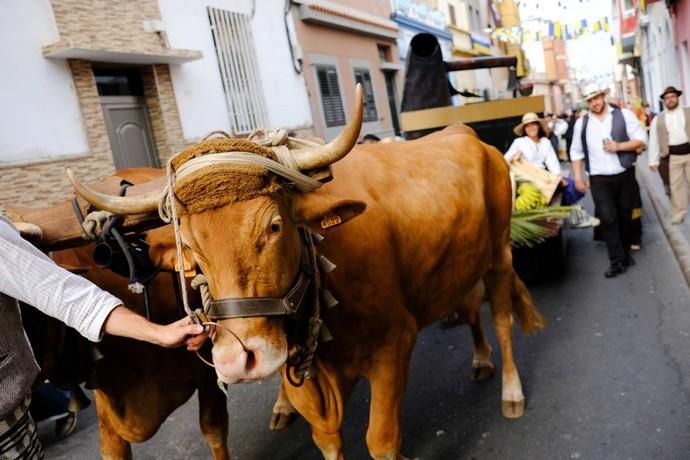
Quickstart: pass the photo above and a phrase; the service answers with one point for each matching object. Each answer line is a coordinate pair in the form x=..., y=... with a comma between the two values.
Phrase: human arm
x=28, y=275
x=550, y=160
x=126, y=323
x=653, y=146
x=636, y=134
x=513, y=152
x=577, y=156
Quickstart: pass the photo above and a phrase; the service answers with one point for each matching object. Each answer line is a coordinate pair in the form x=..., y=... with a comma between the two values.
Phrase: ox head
x=242, y=226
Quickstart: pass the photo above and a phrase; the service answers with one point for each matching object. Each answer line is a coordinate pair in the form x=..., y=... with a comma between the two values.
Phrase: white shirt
x=675, y=125
x=28, y=275
x=540, y=154
x=602, y=162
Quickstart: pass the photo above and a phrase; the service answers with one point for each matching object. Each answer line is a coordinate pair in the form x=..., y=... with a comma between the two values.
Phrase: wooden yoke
x=62, y=230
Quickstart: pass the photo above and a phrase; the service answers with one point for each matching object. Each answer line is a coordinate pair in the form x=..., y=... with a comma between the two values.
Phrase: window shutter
x=330, y=96
x=239, y=69
x=363, y=77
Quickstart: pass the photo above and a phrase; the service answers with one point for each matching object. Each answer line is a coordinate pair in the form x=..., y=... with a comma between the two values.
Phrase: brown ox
x=140, y=385
x=435, y=231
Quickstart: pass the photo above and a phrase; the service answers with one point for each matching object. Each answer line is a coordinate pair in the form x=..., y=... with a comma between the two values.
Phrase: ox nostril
x=250, y=363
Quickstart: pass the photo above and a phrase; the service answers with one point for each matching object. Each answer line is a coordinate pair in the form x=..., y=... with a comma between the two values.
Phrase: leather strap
x=247, y=307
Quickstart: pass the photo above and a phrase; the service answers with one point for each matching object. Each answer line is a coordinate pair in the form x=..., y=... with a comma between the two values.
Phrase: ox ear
x=163, y=252
x=321, y=212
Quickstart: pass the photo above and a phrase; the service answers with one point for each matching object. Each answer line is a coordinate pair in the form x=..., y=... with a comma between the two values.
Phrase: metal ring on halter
x=213, y=323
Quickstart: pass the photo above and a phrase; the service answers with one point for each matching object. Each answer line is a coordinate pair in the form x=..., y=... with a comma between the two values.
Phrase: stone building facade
x=77, y=60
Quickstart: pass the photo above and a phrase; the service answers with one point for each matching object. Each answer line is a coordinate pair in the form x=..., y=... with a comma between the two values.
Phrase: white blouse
x=540, y=154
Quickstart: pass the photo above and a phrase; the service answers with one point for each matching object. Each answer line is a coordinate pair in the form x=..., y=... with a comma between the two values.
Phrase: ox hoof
x=481, y=372
x=280, y=420
x=513, y=409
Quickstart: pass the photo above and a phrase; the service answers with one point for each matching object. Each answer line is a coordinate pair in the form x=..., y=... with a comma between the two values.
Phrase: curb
x=674, y=233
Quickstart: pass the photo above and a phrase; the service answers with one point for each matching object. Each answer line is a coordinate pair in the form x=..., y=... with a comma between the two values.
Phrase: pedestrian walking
x=607, y=140
x=28, y=275
x=669, y=137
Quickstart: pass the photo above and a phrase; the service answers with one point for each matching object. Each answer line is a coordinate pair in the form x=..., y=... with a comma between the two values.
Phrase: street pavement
x=607, y=379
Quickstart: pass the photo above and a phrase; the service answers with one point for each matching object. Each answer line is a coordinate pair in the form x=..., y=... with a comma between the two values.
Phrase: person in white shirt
x=28, y=275
x=607, y=141
x=533, y=145
x=669, y=137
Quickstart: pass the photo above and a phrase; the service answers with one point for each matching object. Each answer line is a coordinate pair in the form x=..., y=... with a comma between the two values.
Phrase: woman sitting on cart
x=533, y=144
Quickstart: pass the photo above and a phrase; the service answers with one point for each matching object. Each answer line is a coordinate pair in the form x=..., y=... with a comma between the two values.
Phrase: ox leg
x=482, y=367
x=213, y=420
x=113, y=446
x=388, y=378
x=499, y=282
x=321, y=401
x=283, y=411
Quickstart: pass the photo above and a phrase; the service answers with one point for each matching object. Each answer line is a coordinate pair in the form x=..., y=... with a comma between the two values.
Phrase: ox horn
x=122, y=205
x=324, y=155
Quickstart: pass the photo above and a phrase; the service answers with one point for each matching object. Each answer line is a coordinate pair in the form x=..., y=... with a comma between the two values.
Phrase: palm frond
x=528, y=228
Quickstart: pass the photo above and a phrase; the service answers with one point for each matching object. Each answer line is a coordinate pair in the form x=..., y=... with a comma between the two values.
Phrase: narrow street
x=607, y=379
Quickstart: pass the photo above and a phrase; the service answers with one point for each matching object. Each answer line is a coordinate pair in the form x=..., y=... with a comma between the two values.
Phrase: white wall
x=198, y=86
x=657, y=54
x=40, y=118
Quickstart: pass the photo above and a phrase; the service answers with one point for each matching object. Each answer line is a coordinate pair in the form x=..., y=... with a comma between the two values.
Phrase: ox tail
x=531, y=321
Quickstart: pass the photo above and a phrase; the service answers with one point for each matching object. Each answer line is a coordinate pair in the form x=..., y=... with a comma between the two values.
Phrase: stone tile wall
x=39, y=184
x=108, y=25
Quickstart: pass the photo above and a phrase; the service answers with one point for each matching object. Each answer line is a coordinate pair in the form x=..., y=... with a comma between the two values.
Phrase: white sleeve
x=551, y=160
x=576, y=151
x=653, y=145
x=633, y=126
x=26, y=274
x=513, y=149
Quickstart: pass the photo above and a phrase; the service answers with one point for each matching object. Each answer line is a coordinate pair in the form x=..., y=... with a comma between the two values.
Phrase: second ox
x=416, y=230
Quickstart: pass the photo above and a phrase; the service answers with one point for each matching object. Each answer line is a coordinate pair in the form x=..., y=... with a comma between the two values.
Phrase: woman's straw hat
x=530, y=117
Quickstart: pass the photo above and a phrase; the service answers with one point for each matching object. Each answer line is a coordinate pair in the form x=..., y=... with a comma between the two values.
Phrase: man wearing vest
x=668, y=138
x=606, y=140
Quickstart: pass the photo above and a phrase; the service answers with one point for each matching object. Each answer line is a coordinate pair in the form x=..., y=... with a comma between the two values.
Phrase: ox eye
x=275, y=226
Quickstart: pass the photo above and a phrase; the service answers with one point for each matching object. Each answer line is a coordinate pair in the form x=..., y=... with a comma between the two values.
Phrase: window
x=331, y=100
x=363, y=77
x=239, y=70
x=118, y=81
x=451, y=14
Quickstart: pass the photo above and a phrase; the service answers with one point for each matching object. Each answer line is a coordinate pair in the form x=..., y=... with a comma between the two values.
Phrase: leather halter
x=290, y=304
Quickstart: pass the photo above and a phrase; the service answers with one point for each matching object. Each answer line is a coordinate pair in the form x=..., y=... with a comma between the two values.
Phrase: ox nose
x=237, y=365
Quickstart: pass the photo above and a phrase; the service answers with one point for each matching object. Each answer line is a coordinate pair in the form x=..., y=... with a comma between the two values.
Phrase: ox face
x=246, y=249
x=252, y=249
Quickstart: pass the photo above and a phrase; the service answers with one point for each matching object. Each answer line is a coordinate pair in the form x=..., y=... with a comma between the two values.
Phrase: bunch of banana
x=529, y=197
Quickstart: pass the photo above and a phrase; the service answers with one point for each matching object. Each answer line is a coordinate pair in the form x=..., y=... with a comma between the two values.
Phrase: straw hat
x=530, y=117
x=592, y=90
x=670, y=89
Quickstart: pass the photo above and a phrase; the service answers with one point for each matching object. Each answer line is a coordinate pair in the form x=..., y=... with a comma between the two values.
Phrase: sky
x=592, y=55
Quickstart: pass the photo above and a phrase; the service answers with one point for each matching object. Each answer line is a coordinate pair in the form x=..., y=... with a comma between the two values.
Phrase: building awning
x=349, y=19
x=66, y=49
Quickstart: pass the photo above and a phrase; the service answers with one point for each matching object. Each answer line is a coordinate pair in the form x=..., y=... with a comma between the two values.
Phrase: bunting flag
x=551, y=30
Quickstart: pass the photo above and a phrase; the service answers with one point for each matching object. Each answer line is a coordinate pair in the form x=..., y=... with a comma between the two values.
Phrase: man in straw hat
x=606, y=140
x=669, y=138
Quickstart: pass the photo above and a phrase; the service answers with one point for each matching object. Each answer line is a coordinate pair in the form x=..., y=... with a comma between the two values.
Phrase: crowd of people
x=603, y=142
